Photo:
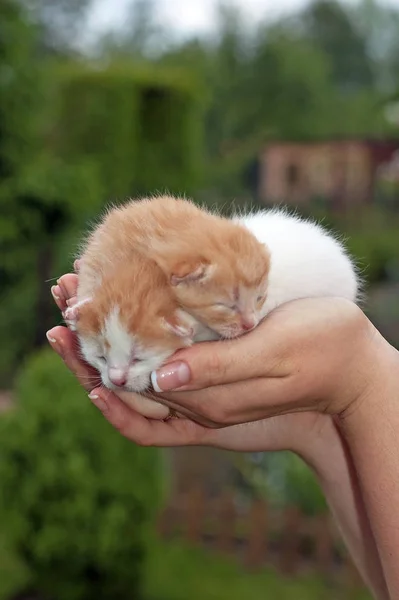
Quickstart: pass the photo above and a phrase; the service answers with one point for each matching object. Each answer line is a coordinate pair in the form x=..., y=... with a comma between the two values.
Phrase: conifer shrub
x=77, y=500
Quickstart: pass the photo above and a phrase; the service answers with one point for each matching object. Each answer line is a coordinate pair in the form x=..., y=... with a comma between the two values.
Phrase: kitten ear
x=190, y=272
x=182, y=325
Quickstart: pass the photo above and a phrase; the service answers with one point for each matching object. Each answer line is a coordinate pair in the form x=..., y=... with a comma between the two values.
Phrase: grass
x=177, y=572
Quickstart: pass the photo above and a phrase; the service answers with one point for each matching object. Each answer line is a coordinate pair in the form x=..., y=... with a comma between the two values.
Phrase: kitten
x=157, y=275
x=216, y=267
x=131, y=324
x=306, y=261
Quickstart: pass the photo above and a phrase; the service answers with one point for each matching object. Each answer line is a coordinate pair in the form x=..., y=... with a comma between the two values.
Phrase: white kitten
x=306, y=260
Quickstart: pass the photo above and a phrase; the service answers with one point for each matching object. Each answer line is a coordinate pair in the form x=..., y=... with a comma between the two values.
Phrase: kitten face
x=231, y=309
x=123, y=358
x=226, y=288
x=130, y=328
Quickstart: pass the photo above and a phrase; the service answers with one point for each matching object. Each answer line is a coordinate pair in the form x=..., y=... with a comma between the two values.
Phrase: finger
x=64, y=342
x=240, y=402
x=71, y=301
x=58, y=297
x=146, y=432
x=68, y=284
x=245, y=436
x=218, y=363
x=76, y=265
x=144, y=406
x=181, y=411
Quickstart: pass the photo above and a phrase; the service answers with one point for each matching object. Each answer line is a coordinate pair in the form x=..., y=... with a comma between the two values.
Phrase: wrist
x=366, y=365
x=377, y=397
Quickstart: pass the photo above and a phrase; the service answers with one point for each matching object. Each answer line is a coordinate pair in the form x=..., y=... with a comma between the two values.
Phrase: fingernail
x=55, y=344
x=61, y=286
x=50, y=338
x=55, y=292
x=99, y=402
x=170, y=377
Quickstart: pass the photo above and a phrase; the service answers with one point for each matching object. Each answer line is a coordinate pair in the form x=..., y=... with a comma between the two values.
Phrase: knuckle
x=215, y=369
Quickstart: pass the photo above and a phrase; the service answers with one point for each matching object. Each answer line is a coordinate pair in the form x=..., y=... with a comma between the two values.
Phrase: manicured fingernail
x=55, y=292
x=99, y=402
x=50, y=338
x=55, y=344
x=170, y=377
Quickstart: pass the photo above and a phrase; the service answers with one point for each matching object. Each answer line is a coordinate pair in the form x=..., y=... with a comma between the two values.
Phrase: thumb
x=217, y=363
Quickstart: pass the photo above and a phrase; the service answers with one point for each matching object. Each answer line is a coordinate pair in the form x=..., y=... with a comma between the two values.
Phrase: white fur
x=122, y=348
x=306, y=261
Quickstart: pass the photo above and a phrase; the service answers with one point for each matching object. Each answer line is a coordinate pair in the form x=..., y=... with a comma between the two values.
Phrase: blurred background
x=237, y=104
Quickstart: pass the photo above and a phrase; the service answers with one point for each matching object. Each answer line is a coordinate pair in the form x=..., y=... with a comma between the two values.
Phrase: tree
x=59, y=22
x=379, y=26
x=142, y=36
x=329, y=26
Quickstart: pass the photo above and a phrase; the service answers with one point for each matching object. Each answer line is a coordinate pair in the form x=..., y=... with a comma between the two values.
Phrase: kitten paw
x=71, y=314
x=71, y=317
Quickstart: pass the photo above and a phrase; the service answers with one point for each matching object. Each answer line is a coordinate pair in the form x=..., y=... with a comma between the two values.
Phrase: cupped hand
x=309, y=355
x=142, y=420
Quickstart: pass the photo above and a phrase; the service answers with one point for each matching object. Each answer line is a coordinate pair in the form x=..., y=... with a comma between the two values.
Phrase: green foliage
x=58, y=22
x=139, y=126
x=20, y=88
x=77, y=499
x=328, y=23
x=43, y=212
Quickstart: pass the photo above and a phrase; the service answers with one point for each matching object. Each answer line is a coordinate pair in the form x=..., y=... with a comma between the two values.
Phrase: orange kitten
x=216, y=266
x=131, y=324
x=157, y=275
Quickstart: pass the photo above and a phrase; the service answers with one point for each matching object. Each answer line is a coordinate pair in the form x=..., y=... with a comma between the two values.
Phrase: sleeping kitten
x=157, y=275
x=306, y=261
x=131, y=324
x=216, y=267
x=229, y=274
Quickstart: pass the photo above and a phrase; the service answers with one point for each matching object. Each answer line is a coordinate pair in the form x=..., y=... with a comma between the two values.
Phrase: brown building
x=341, y=172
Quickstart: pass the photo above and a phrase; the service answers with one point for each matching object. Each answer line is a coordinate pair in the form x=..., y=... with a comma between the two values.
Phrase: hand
x=139, y=419
x=325, y=360
x=309, y=355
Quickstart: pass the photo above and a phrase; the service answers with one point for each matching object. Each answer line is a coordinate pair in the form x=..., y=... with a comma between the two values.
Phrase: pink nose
x=117, y=377
x=248, y=323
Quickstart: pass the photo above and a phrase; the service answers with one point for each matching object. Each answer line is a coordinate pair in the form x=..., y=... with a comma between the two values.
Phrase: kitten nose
x=248, y=323
x=117, y=377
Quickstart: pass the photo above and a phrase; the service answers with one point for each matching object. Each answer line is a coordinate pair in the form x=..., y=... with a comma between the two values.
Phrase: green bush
x=43, y=212
x=20, y=88
x=141, y=127
x=77, y=500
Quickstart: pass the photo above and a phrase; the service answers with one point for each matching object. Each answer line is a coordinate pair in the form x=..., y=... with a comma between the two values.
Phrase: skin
x=310, y=379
